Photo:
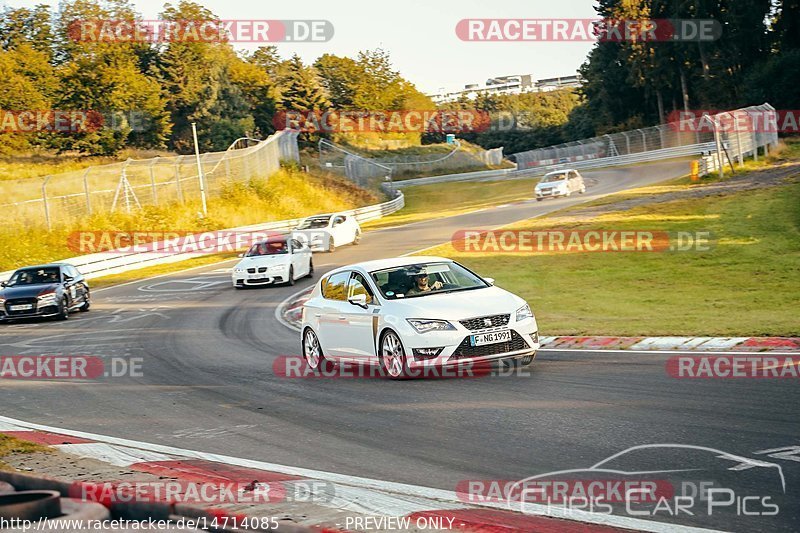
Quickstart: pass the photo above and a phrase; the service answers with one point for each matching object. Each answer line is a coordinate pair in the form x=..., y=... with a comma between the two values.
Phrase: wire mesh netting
x=132, y=184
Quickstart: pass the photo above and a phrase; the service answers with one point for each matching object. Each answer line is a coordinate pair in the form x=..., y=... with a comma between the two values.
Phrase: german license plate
x=21, y=307
x=490, y=338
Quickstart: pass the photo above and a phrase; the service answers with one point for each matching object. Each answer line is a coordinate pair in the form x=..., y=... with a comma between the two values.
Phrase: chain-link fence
x=740, y=132
x=131, y=184
x=366, y=171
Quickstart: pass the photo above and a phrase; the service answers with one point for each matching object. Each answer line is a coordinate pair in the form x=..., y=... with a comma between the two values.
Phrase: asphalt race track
x=208, y=384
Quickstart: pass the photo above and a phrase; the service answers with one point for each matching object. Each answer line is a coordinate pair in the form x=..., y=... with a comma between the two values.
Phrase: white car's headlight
x=424, y=326
x=47, y=299
x=524, y=312
x=238, y=270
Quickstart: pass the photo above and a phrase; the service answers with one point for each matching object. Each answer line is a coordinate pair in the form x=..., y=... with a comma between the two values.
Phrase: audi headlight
x=424, y=326
x=524, y=312
x=46, y=299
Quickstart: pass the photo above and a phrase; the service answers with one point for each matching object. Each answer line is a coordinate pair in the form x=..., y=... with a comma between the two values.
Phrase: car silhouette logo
x=487, y=322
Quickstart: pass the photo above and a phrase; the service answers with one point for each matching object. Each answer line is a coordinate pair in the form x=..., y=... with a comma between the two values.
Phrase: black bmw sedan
x=52, y=290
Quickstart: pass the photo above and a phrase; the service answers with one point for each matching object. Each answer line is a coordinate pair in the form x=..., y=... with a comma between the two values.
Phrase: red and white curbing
x=289, y=313
x=352, y=494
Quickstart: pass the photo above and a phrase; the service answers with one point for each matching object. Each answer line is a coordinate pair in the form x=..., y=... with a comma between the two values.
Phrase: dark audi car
x=44, y=291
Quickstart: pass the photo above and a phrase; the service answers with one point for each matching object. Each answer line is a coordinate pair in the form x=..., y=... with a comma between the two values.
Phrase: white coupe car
x=413, y=312
x=326, y=232
x=560, y=183
x=279, y=259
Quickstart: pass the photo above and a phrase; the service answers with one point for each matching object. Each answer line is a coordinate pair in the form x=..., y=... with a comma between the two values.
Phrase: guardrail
x=115, y=262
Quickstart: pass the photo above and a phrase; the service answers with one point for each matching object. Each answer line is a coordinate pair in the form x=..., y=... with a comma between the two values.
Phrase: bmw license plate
x=490, y=338
x=21, y=307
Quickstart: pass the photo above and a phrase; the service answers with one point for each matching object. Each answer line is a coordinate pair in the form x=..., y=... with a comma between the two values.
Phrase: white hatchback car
x=279, y=259
x=326, y=232
x=380, y=312
x=560, y=183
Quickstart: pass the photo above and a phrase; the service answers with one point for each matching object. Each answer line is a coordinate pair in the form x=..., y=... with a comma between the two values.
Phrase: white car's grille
x=483, y=322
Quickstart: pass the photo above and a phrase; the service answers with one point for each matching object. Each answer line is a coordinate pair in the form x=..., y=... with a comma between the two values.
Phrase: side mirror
x=359, y=300
x=490, y=281
x=3, y=284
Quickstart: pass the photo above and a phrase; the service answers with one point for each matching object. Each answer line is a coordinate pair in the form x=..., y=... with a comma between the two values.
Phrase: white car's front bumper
x=456, y=348
x=254, y=279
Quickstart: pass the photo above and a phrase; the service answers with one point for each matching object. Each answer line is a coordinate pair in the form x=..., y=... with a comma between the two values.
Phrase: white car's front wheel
x=312, y=351
x=357, y=237
x=392, y=356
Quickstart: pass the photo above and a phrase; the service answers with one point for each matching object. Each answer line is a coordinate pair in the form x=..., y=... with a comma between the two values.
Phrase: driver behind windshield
x=421, y=284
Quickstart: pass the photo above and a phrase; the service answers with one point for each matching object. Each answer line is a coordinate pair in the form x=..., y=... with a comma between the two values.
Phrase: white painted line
x=158, y=276
x=4, y=426
x=438, y=497
x=115, y=455
x=281, y=306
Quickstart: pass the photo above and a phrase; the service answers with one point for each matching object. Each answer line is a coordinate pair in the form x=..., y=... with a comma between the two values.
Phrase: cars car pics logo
x=734, y=366
x=603, y=30
x=69, y=367
x=624, y=484
x=209, y=31
x=546, y=241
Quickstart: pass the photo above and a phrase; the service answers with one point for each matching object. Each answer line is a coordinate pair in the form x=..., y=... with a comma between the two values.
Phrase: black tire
x=357, y=238
x=87, y=303
x=393, y=373
x=520, y=362
x=539, y=199
x=290, y=281
x=331, y=247
x=63, y=309
x=310, y=269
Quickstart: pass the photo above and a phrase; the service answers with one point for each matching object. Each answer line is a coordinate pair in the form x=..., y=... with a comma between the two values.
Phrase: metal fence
x=692, y=136
x=367, y=172
x=132, y=184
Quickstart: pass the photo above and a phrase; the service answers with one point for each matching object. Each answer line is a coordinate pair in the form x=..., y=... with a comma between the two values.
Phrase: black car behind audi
x=52, y=290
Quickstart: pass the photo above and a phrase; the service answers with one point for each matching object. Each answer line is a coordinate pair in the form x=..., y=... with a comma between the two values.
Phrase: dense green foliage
x=150, y=93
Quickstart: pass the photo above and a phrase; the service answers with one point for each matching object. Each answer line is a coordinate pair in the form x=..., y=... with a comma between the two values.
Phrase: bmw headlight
x=46, y=299
x=238, y=271
x=524, y=312
x=424, y=326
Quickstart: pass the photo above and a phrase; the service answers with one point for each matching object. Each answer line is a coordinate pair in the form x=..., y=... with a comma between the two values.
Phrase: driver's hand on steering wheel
x=436, y=285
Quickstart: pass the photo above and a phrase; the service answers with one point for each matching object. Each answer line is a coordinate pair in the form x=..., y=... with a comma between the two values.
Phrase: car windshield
x=268, y=248
x=314, y=223
x=34, y=276
x=411, y=281
x=554, y=177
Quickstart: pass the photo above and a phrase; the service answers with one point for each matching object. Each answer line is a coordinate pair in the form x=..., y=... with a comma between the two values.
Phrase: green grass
x=287, y=194
x=425, y=202
x=11, y=445
x=748, y=284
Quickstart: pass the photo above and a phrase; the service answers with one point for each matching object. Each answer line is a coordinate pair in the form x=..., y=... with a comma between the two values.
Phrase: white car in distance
x=559, y=183
x=378, y=312
x=278, y=259
x=326, y=232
